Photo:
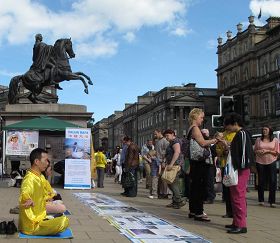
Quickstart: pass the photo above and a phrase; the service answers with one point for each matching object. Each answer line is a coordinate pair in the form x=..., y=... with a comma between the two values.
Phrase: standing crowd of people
x=199, y=158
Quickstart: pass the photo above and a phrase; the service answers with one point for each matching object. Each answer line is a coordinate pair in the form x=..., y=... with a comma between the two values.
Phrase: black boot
x=11, y=228
x=3, y=226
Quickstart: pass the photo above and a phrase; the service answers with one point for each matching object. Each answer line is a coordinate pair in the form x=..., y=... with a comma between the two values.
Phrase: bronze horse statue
x=56, y=70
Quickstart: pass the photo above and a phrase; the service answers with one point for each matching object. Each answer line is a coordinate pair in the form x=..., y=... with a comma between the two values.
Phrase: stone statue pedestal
x=52, y=141
x=76, y=114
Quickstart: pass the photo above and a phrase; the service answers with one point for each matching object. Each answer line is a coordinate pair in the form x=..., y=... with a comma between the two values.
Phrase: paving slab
x=87, y=226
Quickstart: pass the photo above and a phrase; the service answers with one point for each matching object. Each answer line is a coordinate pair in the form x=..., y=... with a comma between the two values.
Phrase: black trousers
x=226, y=196
x=187, y=185
x=210, y=181
x=132, y=191
x=198, y=178
x=15, y=165
x=267, y=172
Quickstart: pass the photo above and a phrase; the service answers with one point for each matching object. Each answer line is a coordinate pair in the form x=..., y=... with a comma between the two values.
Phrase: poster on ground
x=138, y=226
x=77, y=158
x=21, y=143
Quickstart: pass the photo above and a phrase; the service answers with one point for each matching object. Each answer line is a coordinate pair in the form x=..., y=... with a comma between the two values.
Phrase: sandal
x=202, y=218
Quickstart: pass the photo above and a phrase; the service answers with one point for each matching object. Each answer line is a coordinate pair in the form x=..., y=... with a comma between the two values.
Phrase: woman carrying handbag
x=197, y=165
x=242, y=156
x=172, y=161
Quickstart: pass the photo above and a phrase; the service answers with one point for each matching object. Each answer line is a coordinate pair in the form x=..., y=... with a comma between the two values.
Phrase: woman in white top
x=117, y=159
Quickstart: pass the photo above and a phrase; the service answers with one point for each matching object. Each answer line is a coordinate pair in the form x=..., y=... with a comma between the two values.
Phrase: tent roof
x=43, y=123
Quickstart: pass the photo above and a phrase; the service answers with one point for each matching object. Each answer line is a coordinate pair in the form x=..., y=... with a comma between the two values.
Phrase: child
x=155, y=171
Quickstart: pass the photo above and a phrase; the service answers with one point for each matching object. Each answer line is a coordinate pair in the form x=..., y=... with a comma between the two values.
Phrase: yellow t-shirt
x=220, y=150
x=100, y=159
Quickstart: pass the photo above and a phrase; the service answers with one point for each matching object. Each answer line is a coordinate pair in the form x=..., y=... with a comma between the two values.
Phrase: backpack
x=185, y=145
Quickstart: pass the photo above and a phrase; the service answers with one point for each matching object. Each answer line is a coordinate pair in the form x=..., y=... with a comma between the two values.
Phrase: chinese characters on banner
x=77, y=158
x=21, y=142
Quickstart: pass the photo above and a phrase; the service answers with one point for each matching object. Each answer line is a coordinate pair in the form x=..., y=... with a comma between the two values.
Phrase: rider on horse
x=42, y=59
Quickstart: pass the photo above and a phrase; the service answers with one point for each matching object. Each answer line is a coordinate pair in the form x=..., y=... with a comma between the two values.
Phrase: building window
x=245, y=46
x=174, y=114
x=246, y=74
x=234, y=79
x=185, y=114
x=265, y=68
x=234, y=53
x=224, y=83
x=265, y=104
x=266, y=107
x=277, y=62
x=172, y=94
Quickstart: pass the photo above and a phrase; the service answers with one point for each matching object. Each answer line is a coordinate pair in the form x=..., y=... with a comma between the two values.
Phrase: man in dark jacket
x=131, y=165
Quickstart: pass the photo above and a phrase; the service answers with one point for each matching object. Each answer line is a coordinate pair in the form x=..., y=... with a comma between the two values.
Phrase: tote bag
x=230, y=175
x=169, y=175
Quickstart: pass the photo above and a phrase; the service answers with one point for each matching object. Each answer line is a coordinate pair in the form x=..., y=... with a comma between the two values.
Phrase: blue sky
x=127, y=47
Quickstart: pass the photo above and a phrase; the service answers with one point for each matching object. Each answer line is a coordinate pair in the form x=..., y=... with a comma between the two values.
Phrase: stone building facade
x=249, y=66
x=100, y=134
x=4, y=90
x=167, y=108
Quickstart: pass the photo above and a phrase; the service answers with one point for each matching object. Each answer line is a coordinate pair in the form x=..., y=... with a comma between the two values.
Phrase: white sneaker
x=151, y=197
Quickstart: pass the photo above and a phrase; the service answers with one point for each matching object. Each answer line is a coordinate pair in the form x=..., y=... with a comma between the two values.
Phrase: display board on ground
x=136, y=225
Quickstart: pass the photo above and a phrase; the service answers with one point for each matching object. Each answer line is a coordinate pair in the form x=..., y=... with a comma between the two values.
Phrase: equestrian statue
x=50, y=67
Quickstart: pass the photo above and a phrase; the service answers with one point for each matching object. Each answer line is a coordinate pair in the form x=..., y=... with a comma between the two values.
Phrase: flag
x=260, y=14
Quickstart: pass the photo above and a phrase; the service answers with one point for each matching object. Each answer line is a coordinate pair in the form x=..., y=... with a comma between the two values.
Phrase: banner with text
x=21, y=142
x=77, y=158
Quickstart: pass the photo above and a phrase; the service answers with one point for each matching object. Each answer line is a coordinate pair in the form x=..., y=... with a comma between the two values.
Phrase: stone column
x=169, y=119
x=181, y=125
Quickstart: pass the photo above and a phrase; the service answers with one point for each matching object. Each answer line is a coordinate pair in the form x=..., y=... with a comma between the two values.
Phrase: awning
x=43, y=123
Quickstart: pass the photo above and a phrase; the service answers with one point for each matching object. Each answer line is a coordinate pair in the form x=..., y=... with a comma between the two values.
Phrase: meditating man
x=32, y=200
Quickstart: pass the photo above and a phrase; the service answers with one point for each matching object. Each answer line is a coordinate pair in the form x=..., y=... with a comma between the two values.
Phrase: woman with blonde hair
x=197, y=166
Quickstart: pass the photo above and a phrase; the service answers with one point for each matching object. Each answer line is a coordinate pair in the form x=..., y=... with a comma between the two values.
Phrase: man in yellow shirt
x=32, y=200
x=101, y=163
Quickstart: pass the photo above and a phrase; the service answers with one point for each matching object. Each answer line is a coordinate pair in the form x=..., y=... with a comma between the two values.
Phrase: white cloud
x=87, y=20
x=180, y=31
x=129, y=36
x=8, y=74
x=98, y=48
x=268, y=7
x=211, y=44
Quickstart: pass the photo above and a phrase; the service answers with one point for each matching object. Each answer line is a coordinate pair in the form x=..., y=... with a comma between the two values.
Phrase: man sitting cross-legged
x=32, y=200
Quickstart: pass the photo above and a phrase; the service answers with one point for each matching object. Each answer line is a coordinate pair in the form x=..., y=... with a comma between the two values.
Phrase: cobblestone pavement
x=263, y=222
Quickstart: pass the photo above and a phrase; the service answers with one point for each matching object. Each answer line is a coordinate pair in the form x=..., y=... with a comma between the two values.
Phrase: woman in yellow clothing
x=101, y=163
x=32, y=200
x=222, y=148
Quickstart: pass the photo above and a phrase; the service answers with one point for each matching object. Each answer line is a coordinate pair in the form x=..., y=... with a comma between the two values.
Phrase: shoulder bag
x=169, y=175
